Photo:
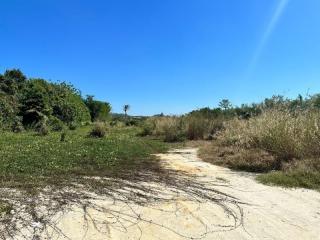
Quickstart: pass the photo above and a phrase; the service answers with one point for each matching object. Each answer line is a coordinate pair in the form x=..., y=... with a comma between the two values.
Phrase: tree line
x=34, y=102
x=246, y=111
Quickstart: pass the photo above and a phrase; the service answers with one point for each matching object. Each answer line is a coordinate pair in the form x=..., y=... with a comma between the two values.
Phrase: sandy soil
x=210, y=203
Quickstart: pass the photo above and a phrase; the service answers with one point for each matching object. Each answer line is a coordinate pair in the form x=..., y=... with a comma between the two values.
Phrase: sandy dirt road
x=205, y=202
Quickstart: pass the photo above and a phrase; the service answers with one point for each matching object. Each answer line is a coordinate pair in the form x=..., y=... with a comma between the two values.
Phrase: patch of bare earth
x=189, y=199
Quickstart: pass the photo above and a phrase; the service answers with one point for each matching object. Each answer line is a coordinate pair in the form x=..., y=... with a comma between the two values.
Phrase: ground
x=195, y=200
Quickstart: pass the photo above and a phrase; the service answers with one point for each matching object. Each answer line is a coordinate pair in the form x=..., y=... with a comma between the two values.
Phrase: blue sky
x=168, y=56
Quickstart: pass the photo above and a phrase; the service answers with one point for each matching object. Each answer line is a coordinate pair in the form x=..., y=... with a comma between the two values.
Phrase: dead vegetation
x=253, y=160
x=37, y=215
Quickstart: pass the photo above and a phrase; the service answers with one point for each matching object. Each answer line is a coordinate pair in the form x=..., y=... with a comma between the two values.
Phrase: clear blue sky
x=168, y=56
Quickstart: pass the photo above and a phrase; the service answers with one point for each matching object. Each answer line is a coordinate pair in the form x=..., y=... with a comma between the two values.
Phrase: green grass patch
x=28, y=160
x=5, y=208
x=293, y=179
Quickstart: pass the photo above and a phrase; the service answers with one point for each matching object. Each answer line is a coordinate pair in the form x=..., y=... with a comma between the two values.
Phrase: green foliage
x=293, y=179
x=68, y=105
x=99, y=111
x=17, y=125
x=126, y=108
x=42, y=129
x=73, y=126
x=5, y=208
x=63, y=136
x=225, y=104
x=29, y=160
x=300, y=173
x=8, y=111
x=56, y=124
x=35, y=100
x=147, y=128
x=12, y=82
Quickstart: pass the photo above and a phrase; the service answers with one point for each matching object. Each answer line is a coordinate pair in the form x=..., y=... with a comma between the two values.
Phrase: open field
x=46, y=159
x=71, y=170
x=160, y=120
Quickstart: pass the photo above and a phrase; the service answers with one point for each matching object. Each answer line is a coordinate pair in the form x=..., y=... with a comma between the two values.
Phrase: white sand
x=268, y=212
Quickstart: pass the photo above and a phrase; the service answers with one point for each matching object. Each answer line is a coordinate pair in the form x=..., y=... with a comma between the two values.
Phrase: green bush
x=42, y=129
x=17, y=125
x=73, y=126
x=99, y=111
x=147, y=128
x=56, y=124
x=63, y=136
x=8, y=111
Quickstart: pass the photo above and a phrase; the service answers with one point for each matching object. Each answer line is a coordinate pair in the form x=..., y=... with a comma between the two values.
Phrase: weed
x=98, y=130
x=29, y=161
x=5, y=208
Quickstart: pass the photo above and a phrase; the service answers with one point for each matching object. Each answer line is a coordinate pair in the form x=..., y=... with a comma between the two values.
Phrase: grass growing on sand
x=30, y=161
x=282, y=144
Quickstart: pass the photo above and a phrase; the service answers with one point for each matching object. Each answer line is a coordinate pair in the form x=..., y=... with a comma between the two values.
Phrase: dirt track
x=212, y=203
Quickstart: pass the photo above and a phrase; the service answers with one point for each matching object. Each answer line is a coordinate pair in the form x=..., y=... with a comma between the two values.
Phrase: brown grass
x=253, y=160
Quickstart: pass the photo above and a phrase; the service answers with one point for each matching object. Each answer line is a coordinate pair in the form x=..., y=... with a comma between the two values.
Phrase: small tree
x=99, y=111
x=225, y=104
x=126, y=108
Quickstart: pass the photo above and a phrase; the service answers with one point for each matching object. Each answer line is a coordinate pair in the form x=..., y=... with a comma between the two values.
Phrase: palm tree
x=126, y=109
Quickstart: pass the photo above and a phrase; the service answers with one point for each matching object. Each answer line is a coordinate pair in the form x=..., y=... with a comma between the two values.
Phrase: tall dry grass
x=178, y=128
x=171, y=128
x=199, y=127
x=287, y=135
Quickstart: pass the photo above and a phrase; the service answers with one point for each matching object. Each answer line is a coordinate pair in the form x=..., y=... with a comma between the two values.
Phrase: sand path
x=210, y=203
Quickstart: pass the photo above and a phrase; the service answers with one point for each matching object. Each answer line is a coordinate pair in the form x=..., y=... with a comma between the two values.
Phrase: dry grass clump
x=175, y=128
x=98, y=130
x=276, y=140
x=253, y=160
x=284, y=134
x=171, y=128
x=200, y=127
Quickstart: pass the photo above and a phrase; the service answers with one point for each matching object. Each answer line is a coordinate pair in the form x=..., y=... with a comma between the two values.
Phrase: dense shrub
x=17, y=125
x=73, y=126
x=9, y=109
x=99, y=111
x=147, y=128
x=42, y=129
x=98, y=130
x=36, y=99
x=69, y=107
x=63, y=136
x=56, y=124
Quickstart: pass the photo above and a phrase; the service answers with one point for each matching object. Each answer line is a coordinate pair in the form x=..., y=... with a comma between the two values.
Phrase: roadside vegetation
x=278, y=137
x=29, y=161
x=59, y=148
x=52, y=135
